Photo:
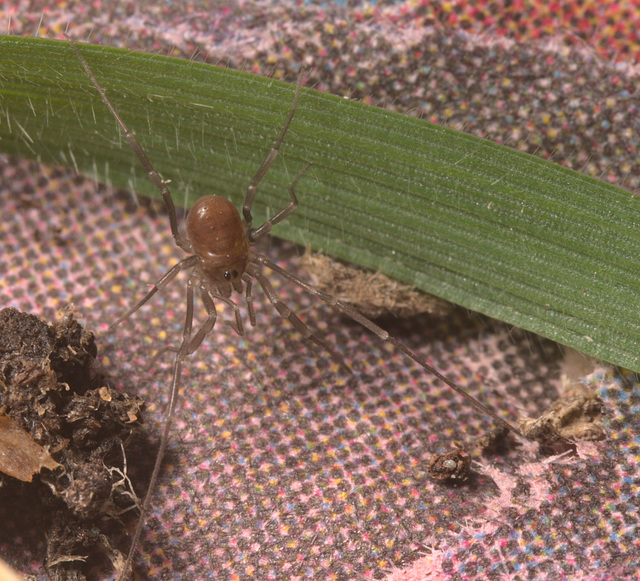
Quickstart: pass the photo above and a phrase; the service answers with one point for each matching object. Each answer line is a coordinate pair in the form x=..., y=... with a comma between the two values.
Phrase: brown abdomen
x=214, y=227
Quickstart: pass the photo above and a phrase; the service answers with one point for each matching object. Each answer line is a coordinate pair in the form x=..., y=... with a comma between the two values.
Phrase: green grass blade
x=512, y=236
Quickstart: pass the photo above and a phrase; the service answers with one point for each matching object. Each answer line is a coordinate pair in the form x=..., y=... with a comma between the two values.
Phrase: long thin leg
x=152, y=174
x=181, y=355
x=266, y=164
x=237, y=326
x=380, y=332
x=207, y=326
x=164, y=281
x=249, y=299
x=286, y=313
x=254, y=234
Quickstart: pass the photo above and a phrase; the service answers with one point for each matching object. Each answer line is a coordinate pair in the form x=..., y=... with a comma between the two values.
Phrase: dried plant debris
x=575, y=416
x=8, y=574
x=57, y=413
x=371, y=293
x=20, y=455
x=453, y=467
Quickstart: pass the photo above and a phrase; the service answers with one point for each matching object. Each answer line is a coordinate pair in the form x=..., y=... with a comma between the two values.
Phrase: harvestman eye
x=221, y=262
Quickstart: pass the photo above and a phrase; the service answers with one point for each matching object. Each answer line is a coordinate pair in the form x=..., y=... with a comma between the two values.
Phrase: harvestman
x=221, y=262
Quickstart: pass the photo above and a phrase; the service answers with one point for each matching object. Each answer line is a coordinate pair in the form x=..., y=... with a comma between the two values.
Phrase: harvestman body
x=221, y=261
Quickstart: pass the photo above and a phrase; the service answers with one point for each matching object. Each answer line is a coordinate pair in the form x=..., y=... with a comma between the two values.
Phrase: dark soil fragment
x=54, y=397
x=497, y=441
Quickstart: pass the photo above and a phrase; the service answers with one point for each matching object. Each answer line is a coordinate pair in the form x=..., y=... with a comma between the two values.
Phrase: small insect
x=218, y=240
x=451, y=467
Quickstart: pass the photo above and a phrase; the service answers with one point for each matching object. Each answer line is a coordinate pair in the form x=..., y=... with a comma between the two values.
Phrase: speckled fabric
x=281, y=466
